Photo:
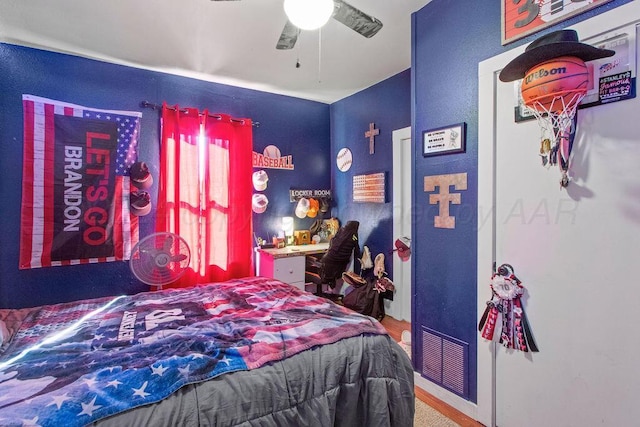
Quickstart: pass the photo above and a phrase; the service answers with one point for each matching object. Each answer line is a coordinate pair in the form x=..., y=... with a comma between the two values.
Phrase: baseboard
x=470, y=409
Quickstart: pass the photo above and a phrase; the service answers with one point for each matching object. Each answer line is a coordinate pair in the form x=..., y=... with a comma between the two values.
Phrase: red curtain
x=205, y=191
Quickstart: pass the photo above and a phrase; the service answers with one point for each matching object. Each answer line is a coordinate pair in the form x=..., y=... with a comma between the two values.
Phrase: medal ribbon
x=506, y=299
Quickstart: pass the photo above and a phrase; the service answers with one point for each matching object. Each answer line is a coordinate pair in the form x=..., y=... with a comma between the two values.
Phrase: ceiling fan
x=343, y=12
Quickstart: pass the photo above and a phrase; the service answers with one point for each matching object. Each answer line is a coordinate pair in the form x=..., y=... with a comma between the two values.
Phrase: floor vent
x=445, y=360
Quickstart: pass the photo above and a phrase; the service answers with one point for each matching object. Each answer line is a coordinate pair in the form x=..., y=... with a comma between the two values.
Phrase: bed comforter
x=251, y=351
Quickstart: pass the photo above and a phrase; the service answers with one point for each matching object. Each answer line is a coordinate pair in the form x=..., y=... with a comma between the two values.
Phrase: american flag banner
x=75, y=184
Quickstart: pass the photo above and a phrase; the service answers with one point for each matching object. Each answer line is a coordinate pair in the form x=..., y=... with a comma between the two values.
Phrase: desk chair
x=328, y=268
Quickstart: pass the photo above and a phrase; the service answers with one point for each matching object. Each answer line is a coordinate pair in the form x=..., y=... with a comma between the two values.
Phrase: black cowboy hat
x=552, y=45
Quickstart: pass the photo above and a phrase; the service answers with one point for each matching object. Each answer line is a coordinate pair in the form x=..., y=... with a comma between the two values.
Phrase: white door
x=577, y=252
x=400, y=307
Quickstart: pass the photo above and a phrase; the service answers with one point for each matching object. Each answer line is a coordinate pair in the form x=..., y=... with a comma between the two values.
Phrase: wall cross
x=371, y=134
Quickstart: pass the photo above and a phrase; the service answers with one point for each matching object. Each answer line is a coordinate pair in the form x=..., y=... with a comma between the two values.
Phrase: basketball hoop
x=557, y=119
x=552, y=91
x=555, y=80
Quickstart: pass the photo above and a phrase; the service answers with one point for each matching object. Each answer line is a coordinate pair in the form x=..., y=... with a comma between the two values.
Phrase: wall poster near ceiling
x=523, y=17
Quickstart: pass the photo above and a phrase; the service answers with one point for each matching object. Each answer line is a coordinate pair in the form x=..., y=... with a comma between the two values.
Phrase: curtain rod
x=146, y=104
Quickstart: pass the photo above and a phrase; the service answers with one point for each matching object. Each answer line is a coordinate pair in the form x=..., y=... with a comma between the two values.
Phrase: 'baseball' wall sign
x=270, y=158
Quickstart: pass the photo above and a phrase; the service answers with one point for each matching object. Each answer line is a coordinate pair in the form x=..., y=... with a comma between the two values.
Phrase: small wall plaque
x=445, y=140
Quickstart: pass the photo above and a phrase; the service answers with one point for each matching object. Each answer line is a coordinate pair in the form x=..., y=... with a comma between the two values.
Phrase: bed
x=247, y=352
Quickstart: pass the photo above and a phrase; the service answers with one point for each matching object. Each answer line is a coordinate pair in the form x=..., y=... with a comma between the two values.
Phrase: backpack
x=365, y=300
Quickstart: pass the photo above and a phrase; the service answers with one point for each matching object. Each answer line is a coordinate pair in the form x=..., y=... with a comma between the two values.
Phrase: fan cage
x=160, y=259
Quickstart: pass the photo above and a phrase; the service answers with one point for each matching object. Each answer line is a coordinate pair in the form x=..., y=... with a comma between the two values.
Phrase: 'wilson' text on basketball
x=542, y=72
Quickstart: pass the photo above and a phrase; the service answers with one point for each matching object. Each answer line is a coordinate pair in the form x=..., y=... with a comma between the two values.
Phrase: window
x=205, y=191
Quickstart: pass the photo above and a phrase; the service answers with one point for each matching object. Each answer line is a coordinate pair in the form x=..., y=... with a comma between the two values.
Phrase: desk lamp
x=287, y=227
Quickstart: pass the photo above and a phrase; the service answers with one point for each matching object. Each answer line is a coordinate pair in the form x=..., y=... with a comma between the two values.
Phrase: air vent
x=432, y=356
x=445, y=360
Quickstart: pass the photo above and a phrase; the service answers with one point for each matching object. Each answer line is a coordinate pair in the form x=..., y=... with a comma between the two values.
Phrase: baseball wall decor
x=344, y=159
x=271, y=151
x=272, y=158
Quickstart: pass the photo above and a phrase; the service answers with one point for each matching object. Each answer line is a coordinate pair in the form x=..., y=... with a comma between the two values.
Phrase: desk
x=287, y=264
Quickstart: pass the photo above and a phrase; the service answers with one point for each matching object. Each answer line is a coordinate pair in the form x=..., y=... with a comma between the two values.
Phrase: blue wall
x=387, y=105
x=298, y=127
x=450, y=38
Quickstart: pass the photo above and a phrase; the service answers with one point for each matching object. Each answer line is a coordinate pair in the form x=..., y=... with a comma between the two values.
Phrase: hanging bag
x=364, y=298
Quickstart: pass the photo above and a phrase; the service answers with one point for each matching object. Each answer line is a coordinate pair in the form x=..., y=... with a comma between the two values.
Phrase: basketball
x=555, y=84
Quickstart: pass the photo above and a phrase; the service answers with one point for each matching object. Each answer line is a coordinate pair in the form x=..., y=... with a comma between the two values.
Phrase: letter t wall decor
x=444, y=197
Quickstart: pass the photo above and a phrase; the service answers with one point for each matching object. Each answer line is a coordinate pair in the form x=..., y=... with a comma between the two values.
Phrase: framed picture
x=444, y=140
x=523, y=17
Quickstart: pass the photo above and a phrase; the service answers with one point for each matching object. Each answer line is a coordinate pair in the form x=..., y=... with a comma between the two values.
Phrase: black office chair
x=328, y=268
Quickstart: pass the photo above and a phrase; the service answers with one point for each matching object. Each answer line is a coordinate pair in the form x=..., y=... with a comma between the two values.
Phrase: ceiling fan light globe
x=308, y=14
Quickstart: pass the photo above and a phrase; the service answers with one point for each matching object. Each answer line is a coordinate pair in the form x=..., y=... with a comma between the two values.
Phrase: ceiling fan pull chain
x=319, y=54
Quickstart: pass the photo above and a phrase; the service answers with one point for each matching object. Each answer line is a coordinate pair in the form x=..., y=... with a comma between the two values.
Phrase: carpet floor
x=425, y=415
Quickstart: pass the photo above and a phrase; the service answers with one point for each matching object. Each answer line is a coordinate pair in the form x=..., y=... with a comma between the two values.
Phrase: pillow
x=4, y=333
x=10, y=322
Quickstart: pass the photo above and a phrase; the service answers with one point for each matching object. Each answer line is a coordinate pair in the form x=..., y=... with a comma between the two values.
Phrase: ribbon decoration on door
x=506, y=293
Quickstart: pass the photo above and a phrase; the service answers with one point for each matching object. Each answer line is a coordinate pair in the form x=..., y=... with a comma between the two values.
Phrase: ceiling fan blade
x=288, y=37
x=356, y=19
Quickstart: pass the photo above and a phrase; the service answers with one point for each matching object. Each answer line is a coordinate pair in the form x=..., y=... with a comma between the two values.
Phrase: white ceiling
x=230, y=42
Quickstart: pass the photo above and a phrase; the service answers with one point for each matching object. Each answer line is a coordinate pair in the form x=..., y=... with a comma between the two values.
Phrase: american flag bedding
x=74, y=363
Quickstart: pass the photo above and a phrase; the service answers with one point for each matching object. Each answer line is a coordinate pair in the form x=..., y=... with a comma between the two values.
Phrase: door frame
x=401, y=222
x=488, y=71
